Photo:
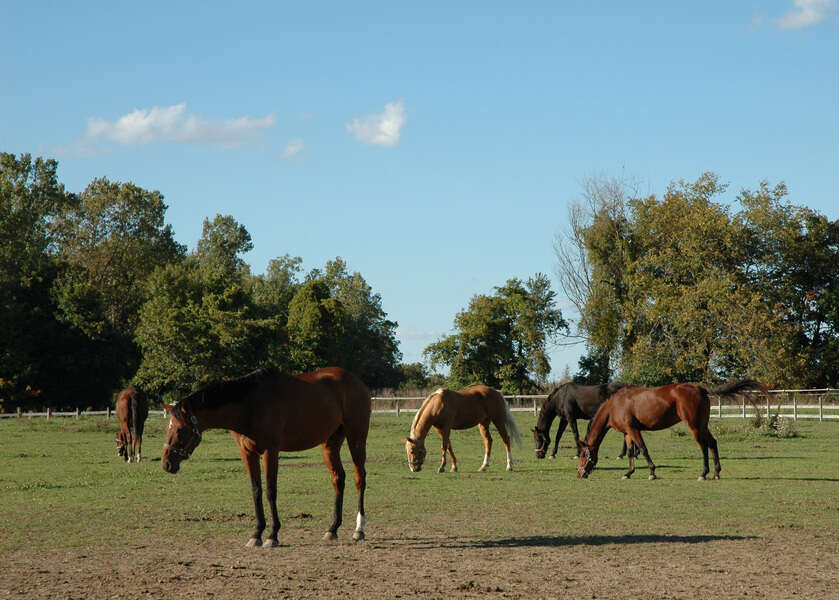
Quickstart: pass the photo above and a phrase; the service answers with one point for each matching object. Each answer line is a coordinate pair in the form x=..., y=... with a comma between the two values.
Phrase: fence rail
x=822, y=404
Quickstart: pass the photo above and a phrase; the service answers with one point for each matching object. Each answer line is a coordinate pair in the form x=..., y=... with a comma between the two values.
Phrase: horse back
x=653, y=408
x=472, y=405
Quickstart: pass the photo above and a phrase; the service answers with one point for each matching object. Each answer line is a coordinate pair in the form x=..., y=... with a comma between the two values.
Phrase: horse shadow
x=584, y=540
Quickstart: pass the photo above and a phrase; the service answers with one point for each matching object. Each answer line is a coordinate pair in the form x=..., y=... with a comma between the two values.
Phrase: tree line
x=95, y=292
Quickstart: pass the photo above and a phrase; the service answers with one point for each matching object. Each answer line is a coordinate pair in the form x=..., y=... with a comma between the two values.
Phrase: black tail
x=738, y=387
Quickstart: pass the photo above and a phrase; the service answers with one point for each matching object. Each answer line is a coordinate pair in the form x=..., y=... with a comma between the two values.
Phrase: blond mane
x=420, y=409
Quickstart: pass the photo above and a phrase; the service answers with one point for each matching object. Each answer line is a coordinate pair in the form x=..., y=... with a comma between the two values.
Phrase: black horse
x=570, y=402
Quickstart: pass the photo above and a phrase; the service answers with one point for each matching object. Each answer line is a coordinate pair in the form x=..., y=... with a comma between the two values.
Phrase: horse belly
x=661, y=421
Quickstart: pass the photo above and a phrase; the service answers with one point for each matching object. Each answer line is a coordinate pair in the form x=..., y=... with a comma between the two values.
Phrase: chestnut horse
x=570, y=402
x=268, y=412
x=132, y=412
x=634, y=409
x=446, y=410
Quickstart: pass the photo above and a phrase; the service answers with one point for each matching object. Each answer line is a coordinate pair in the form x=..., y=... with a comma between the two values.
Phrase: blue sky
x=434, y=146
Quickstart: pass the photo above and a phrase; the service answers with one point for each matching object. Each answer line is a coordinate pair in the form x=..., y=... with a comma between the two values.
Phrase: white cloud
x=292, y=148
x=806, y=13
x=173, y=123
x=382, y=129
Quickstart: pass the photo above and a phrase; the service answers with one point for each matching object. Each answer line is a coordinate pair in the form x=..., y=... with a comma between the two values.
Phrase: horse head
x=588, y=459
x=542, y=439
x=182, y=437
x=416, y=454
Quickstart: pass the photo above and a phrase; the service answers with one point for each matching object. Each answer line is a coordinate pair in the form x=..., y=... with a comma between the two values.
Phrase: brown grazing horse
x=268, y=412
x=132, y=412
x=634, y=409
x=446, y=410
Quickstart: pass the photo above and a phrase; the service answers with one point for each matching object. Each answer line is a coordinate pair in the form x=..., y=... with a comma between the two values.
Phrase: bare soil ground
x=392, y=563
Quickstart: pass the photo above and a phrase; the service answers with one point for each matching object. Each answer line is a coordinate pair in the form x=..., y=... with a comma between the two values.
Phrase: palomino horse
x=132, y=412
x=268, y=412
x=570, y=402
x=446, y=410
x=633, y=409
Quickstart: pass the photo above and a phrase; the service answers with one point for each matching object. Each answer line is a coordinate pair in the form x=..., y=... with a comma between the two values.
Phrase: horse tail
x=738, y=387
x=511, y=423
x=133, y=397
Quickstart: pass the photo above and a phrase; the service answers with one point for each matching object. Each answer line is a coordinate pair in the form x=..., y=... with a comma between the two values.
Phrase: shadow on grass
x=568, y=540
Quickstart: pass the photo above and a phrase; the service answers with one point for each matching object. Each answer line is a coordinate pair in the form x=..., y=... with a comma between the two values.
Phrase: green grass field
x=63, y=486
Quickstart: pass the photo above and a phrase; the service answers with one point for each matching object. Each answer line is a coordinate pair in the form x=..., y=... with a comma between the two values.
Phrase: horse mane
x=422, y=406
x=223, y=392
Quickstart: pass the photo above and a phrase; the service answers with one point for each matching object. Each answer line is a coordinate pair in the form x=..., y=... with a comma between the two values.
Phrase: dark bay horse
x=570, y=402
x=132, y=412
x=268, y=412
x=446, y=410
x=634, y=409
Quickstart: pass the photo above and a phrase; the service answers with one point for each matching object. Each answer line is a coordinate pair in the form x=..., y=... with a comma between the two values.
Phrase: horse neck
x=599, y=425
x=422, y=422
x=226, y=416
x=547, y=414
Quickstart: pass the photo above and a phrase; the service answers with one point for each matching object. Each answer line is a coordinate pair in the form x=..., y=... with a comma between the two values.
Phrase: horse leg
x=705, y=441
x=251, y=460
x=634, y=437
x=575, y=431
x=446, y=446
x=332, y=459
x=358, y=451
x=271, y=458
x=559, y=431
x=484, y=429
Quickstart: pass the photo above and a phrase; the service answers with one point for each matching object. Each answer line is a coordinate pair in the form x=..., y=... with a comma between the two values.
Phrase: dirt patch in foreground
x=388, y=565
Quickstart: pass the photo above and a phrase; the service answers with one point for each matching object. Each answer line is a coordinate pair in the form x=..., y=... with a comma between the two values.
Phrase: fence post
x=77, y=412
x=49, y=413
x=19, y=412
x=397, y=407
x=535, y=412
x=109, y=414
x=767, y=406
x=821, y=408
x=719, y=406
x=743, y=399
x=795, y=407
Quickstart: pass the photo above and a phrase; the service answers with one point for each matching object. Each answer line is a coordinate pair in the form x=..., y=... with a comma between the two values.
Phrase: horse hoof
x=716, y=475
x=253, y=543
x=441, y=470
x=700, y=478
x=454, y=469
x=330, y=535
x=481, y=469
x=270, y=543
x=625, y=477
x=552, y=456
x=651, y=477
x=358, y=536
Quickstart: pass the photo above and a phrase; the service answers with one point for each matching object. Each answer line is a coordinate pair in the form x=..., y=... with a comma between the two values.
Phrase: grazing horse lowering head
x=416, y=454
x=182, y=437
x=588, y=460
x=542, y=439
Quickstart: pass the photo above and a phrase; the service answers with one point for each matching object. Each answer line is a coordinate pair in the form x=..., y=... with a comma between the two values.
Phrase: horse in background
x=633, y=409
x=268, y=412
x=570, y=402
x=447, y=409
x=132, y=411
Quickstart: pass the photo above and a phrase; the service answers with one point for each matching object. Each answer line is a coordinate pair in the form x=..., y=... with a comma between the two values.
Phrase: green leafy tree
x=42, y=362
x=200, y=323
x=110, y=242
x=501, y=340
x=336, y=319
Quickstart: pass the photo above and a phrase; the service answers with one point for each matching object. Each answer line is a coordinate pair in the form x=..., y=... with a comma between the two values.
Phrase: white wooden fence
x=820, y=404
